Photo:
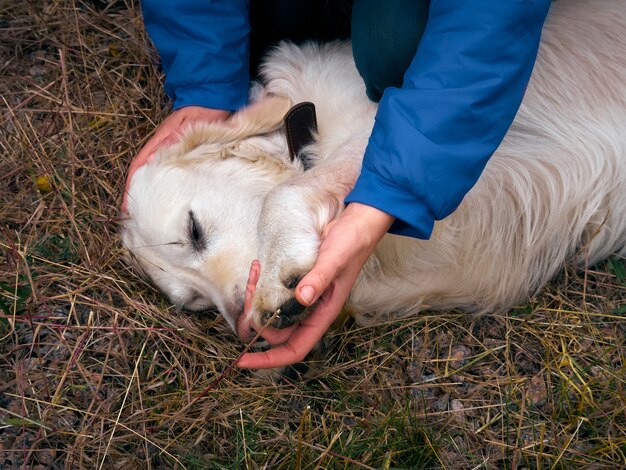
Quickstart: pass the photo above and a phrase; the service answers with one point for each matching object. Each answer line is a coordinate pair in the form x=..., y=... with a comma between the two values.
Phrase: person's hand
x=347, y=242
x=168, y=133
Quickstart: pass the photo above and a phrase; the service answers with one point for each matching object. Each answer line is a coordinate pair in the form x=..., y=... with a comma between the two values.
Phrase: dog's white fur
x=555, y=190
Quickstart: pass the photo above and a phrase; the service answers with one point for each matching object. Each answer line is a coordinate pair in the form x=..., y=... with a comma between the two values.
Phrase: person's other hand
x=169, y=132
x=347, y=242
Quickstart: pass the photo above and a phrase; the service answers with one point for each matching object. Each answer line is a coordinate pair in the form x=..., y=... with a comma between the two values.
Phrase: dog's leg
x=292, y=220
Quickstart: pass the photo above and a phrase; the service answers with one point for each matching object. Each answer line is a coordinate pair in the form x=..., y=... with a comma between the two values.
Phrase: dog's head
x=191, y=225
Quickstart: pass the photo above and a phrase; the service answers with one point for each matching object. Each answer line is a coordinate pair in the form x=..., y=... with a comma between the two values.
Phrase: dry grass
x=98, y=371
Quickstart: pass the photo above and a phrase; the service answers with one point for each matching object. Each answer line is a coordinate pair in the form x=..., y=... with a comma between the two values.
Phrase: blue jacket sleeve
x=204, y=50
x=433, y=137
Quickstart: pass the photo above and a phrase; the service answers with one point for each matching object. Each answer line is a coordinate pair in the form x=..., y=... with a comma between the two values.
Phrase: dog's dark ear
x=300, y=128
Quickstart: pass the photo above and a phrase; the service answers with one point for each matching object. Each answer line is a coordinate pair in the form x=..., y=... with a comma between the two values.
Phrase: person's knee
x=385, y=36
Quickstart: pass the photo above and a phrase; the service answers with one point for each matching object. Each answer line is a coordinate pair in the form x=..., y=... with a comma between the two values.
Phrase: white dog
x=555, y=191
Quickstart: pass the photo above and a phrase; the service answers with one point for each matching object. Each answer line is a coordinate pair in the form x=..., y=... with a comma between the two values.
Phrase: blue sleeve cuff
x=227, y=96
x=413, y=218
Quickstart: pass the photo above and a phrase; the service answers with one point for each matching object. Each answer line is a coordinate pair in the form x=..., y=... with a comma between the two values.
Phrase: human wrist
x=369, y=219
x=210, y=114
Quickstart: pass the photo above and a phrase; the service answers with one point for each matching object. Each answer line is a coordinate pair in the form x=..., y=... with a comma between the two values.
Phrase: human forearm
x=203, y=48
x=434, y=135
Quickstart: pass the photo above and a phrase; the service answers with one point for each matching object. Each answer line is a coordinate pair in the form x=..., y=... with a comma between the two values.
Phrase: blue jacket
x=432, y=137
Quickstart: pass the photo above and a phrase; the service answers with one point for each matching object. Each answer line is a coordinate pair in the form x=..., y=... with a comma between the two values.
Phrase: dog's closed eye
x=196, y=233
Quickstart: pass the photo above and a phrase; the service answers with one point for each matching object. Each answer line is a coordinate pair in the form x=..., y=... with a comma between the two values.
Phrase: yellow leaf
x=99, y=121
x=114, y=50
x=44, y=184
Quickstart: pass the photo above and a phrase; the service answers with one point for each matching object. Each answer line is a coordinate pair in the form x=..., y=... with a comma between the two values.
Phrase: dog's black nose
x=290, y=312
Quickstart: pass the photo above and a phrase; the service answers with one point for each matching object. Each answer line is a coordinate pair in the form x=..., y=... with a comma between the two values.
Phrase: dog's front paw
x=290, y=228
x=287, y=314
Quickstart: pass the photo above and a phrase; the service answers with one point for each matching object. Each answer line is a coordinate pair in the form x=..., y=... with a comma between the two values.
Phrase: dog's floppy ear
x=261, y=117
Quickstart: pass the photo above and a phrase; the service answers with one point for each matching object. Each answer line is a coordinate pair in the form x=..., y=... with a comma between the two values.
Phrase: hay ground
x=97, y=370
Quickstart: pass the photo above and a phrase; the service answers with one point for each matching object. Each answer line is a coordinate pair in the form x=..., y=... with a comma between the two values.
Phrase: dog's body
x=554, y=191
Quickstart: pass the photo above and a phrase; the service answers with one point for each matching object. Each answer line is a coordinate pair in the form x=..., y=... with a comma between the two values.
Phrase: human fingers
x=346, y=243
x=273, y=336
x=276, y=336
x=253, y=278
x=330, y=260
x=168, y=133
x=304, y=337
x=146, y=153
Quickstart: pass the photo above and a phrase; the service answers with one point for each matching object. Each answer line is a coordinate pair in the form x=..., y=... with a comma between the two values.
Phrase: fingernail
x=308, y=294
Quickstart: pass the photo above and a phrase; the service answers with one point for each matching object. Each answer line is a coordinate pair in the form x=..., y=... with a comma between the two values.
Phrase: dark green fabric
x=385, y=36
